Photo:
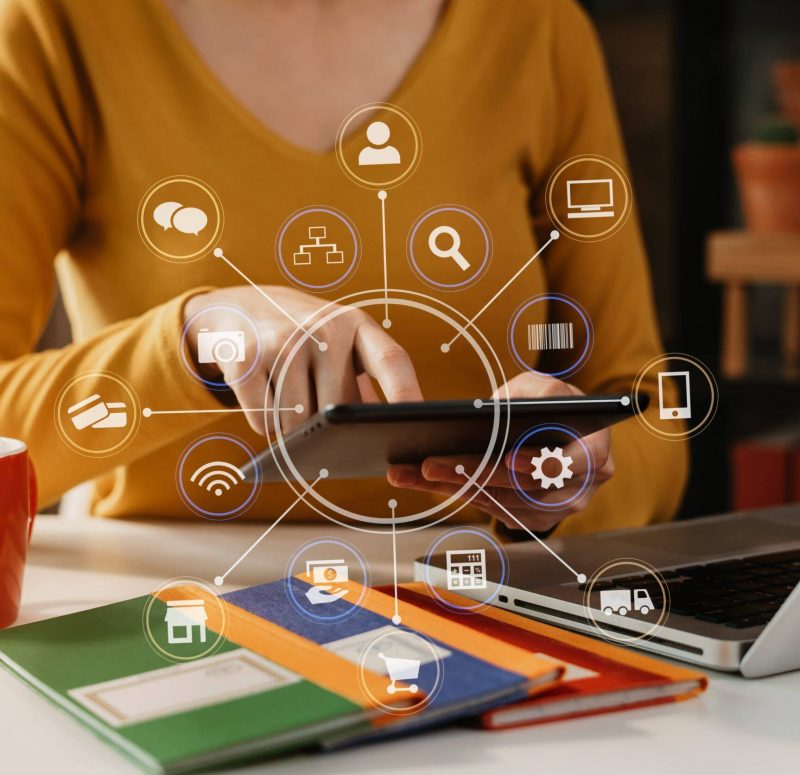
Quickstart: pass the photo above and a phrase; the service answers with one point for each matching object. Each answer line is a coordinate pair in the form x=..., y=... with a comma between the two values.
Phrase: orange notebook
x=600, y=677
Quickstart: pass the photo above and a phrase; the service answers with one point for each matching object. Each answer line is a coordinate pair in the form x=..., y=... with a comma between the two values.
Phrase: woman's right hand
x=356, y=346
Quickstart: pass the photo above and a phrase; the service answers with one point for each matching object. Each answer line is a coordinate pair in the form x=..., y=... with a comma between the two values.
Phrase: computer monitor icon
x=590, y=198
x=682, y=408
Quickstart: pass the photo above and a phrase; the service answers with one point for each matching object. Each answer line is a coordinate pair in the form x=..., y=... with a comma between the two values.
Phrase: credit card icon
x=93, y=412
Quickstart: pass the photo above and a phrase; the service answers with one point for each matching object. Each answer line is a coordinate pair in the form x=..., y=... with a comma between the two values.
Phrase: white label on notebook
x=181, y=688
x=352, y=647
x=573, y=672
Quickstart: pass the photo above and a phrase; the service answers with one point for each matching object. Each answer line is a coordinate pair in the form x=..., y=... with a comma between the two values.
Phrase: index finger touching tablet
x=387, y=362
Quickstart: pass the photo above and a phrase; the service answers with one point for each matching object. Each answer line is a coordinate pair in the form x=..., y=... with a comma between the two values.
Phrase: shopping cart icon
x=401, y=670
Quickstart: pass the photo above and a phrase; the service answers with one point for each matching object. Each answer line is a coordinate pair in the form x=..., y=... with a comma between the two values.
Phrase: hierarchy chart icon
x=449, y=247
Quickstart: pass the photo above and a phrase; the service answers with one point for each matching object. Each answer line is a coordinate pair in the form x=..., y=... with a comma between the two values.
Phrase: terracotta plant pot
x=769, y=186
x=786, y=77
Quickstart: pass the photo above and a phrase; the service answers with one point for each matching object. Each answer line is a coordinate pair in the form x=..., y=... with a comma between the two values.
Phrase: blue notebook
x=455, y=671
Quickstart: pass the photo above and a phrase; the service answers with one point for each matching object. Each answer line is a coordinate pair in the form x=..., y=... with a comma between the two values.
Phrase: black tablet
x=358, y=441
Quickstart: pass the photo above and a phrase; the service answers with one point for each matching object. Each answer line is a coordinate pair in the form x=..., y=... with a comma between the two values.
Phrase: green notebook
x=233, y=705
x=183, y=679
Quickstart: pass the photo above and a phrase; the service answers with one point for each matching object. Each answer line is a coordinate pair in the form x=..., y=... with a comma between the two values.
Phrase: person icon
x=373, y=155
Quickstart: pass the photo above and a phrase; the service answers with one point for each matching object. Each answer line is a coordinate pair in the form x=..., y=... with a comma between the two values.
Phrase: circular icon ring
x=589, y=200
x=315, y=244
x=400, y=670
x=459, y=561
x=556, y=454
x=407, y=299
x=667, y=361
x=445, y=250
x=95, y=412
x=190, y=623
x=218, y=477
x=220, y=347
x=622, y=606
x=320, y=580
x=549, y=336
x=384, y=110
x=146, y=211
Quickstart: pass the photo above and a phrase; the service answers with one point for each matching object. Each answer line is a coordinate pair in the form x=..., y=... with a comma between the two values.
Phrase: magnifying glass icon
x=453, y=252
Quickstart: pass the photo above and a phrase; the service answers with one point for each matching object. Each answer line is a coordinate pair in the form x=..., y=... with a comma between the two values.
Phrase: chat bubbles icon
x=162, y=215
x=190, y=220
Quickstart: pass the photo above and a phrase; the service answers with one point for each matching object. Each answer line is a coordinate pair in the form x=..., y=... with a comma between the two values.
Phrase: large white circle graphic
x=462, y=328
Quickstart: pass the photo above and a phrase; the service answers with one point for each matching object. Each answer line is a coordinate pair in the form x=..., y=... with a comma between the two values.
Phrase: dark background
x=691, y=79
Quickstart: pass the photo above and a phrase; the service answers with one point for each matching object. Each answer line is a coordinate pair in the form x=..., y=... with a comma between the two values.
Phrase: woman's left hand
x=439, y=475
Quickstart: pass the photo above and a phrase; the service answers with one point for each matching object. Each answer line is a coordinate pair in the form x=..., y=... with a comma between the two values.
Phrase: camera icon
x=220, y=346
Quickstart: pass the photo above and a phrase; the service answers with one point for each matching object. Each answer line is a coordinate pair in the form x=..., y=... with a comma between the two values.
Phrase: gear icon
x=551, y=454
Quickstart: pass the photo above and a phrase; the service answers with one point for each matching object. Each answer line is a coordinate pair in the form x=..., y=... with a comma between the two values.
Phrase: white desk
x=736, y=727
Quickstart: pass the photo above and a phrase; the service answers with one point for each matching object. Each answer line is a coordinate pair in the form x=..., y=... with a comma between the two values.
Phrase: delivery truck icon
x=621, y=601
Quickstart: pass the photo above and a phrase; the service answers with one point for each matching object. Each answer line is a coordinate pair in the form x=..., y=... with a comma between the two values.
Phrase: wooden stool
x=739, y=259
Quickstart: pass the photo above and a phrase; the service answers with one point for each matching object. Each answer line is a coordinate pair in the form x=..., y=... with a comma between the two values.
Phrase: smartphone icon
x=683, y=404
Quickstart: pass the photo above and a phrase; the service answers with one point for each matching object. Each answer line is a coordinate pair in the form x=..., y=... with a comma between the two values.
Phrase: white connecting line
x=581, y=577
x=554, y=235
x=148, y=412
x=622, y=401
x=220, y=580
x=393, y=506
x=387, y=323
x=218, y=252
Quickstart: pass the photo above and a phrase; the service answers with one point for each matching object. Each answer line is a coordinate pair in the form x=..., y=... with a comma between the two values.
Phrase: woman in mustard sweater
x=99, y=101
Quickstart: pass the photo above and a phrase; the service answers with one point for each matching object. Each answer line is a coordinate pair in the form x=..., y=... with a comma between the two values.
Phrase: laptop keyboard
x=739, y=593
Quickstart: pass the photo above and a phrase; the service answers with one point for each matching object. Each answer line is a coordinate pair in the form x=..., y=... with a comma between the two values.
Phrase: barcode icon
x=550, y=336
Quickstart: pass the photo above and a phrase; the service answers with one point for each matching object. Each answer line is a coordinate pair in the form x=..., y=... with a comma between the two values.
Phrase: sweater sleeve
x=44, y=133
x=610, y=278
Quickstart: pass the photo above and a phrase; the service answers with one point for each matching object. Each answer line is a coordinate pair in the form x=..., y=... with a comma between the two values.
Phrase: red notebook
x=600, y=677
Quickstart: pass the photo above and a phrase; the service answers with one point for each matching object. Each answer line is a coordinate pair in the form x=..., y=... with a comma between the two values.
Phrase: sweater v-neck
x=402, y=96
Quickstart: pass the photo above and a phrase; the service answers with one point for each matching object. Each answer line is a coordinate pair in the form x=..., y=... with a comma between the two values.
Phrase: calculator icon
x=466, y=569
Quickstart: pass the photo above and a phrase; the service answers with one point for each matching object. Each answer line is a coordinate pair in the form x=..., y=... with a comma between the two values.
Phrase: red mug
x=17, y=511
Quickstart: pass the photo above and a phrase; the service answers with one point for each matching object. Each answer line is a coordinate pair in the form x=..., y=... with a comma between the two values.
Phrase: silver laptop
x=733, y=584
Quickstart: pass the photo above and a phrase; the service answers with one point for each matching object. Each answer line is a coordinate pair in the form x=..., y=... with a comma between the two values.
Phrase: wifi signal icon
x=217, y=476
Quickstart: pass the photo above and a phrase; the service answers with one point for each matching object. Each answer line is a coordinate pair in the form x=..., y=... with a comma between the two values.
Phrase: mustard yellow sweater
x=99, y=100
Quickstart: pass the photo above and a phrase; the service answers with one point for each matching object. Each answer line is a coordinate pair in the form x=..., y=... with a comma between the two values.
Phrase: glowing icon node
x=384, y=155
x=327, y=580
x=211, y=479
x=93, y=412
x=449, y=247
x=626, y=600
x=589, y=198
x=466, y=569
x=317, y=245
x=400, y=671
x=217, y=476
x=474, y=572
x=556, y=480
x=186, y=220
x=318, y=248
x=378, y=152
x=325, y=576
x=185, y=619
x=180, y=219
x=97, y=413
x=551, y=334
x=221, y=346
x=687, y=396
x=540, y=479
x=622, y=601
